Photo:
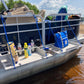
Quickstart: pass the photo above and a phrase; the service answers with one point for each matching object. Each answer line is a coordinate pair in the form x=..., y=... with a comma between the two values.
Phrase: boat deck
x=6, y=62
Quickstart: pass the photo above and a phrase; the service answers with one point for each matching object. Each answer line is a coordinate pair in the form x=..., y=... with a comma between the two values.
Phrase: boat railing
x=16, y=16
x=43, y=24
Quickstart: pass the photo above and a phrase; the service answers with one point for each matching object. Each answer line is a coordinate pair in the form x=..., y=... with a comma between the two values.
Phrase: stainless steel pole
x=4, y=5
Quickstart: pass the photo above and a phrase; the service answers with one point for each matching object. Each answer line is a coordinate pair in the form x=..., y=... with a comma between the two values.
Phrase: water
x=71, y=72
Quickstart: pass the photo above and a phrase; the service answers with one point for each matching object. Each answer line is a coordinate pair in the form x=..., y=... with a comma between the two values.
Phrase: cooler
x=61, y=39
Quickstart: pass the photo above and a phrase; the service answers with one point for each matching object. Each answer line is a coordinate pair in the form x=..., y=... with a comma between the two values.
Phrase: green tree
x=49, y=17
x=19, y=3
x=35, y=9
x=2, y=8
x=10, y=4
x=32, y=7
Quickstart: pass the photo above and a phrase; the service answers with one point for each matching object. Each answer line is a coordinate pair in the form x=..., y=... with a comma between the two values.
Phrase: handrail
x=26, y=15
x=39, y=22
x=21, y=31
x=61, y=14
x=43, y=24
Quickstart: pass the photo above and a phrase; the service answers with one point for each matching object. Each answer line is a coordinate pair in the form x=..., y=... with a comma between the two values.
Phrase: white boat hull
x=36, y=67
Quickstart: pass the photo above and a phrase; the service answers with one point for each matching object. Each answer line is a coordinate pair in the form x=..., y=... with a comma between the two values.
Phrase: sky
x=53, y=6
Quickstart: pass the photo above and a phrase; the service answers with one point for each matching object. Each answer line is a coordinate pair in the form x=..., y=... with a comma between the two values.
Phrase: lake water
x=72, y=72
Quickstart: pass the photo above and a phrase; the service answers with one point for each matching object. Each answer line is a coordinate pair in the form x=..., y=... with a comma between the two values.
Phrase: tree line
x=11, y=4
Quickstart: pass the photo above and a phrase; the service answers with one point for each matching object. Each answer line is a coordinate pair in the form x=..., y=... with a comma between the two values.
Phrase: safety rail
x=43, y=24
x=39, y=22
x=36, y=29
